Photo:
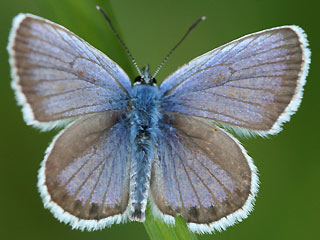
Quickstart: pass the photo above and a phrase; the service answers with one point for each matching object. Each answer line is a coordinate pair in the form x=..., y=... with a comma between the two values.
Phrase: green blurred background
x=287, y=205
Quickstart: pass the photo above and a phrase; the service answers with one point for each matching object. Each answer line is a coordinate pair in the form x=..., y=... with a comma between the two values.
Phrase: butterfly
x=128, y=144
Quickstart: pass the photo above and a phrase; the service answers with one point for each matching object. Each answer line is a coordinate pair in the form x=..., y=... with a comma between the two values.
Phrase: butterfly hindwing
x=84, y=179
x=254, y=83
x=58, y=76
x=201, y=173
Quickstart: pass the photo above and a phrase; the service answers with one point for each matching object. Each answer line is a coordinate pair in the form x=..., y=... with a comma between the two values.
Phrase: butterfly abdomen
x=143, y=117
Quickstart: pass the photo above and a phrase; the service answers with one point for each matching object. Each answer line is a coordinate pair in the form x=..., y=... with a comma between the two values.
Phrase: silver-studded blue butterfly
x=128, y=144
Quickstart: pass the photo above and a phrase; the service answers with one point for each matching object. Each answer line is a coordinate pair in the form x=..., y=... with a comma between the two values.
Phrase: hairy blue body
x=144, y=115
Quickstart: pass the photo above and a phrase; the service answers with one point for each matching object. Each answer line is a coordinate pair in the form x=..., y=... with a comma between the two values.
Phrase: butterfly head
x=145, y=77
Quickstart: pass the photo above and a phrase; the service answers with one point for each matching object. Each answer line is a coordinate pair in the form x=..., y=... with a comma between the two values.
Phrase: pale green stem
x=159, y=230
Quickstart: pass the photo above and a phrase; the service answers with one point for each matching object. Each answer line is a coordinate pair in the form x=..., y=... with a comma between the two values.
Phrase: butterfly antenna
x=177, y=45
x=117, y=35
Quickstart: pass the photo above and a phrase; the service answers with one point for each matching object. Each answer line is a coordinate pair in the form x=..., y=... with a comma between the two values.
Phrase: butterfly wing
x=58, y=76
x=203, y=174
x=254, y=83
x=84, y=179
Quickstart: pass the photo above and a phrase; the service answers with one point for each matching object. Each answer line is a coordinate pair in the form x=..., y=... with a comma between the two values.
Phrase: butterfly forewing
x=84, y=179
x=57, y=75
x=201, y=173
x=254, y=82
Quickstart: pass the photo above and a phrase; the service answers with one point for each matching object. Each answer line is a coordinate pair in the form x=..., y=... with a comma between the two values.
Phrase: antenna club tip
x=98, y=7
x=203, y=18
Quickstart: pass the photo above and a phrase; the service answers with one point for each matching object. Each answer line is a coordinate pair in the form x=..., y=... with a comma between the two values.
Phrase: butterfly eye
x=137, y=80
x=153, y=82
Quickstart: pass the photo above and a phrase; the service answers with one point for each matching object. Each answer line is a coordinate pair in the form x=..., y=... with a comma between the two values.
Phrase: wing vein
x=175, y=174
x=89, y=176
x=95, y=185
x=61, y=69
x=29, y=35
x=206, y=110
x=205, y=152
x=113, y=77
x=189, y=179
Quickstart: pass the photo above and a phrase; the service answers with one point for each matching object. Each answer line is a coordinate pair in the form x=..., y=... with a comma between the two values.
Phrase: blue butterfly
x=128, y=144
